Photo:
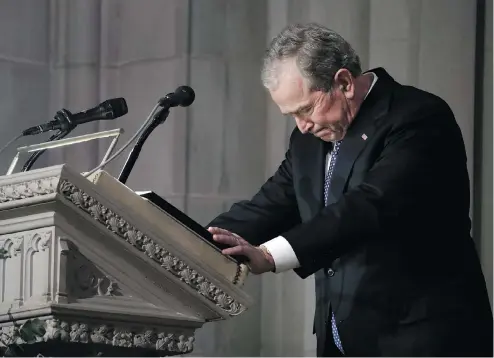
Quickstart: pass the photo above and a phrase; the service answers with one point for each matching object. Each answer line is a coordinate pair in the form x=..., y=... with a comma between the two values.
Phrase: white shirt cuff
x=283, y=255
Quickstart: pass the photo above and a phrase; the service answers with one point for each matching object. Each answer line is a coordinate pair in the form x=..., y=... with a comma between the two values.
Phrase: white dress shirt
x=283, y=255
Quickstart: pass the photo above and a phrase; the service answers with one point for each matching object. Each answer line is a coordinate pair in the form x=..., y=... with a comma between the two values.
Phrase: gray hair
x=318, y=51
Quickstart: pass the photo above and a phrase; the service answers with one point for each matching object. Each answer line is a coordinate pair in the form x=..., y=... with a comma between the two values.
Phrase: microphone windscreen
x=185, y=96
x=117, y=107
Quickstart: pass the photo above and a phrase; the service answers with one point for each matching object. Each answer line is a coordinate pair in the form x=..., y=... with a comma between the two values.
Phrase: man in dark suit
x=373, y=198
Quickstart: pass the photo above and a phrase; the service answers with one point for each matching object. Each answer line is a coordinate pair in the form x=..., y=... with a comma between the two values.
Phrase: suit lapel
x=360, y=133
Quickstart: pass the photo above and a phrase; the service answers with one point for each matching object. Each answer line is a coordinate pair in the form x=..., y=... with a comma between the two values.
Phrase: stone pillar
x=486, y=215
x=226, y=137
x=24, y=72
x=144, y=57
x=74, y=74
x=446, y=60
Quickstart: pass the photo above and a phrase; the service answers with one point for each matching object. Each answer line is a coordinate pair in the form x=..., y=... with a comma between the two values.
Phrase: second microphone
x=107, y=110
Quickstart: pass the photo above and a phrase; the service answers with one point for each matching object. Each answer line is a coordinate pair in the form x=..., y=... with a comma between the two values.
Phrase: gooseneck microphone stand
x=158, y=119
x=183, y=97
x=64, y=117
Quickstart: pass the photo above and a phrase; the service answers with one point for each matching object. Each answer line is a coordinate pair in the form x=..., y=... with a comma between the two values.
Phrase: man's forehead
x=291, y=89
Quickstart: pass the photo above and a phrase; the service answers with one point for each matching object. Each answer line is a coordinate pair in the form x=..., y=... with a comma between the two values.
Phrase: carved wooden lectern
x=106, y=270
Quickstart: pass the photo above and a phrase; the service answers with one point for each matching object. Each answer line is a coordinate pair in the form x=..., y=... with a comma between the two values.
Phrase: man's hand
x=259, y=261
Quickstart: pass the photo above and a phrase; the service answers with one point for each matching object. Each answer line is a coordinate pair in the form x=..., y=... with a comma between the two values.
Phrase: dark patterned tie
x=327, y=183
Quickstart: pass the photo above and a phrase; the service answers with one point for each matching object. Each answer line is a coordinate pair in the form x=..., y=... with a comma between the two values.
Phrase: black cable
x=10, y=142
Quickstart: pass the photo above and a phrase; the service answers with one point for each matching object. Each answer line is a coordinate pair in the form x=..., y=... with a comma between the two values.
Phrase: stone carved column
x=74, y=74
x=24, y=71
x=144, y=56
x=486, y=215
x=447, y=60
x=226, y=137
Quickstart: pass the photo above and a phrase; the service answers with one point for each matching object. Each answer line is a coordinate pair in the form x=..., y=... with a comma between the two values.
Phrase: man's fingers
x=226, y=239
x=236, y=250
x=216, y=230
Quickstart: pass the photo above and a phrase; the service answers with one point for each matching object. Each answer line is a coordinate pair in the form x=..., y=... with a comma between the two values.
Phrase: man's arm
x=420, y=156
x=271, y=211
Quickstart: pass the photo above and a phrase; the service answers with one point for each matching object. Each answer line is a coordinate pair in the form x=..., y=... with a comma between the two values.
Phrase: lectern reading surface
x=186, y=220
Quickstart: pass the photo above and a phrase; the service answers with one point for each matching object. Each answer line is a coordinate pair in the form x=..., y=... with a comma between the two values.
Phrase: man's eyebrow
x=298, y=110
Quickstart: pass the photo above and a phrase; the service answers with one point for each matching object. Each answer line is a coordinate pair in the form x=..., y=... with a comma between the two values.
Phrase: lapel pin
x=364, y=136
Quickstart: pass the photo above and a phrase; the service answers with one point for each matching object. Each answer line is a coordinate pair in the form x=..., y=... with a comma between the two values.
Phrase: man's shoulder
x=408, y=98
x=411, y=105
x=411, y=98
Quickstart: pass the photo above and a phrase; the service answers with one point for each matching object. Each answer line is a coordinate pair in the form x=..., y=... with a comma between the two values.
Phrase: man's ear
x=345, y=82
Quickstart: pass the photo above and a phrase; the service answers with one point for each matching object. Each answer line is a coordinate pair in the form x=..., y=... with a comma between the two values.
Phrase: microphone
x=183, y=96
x=109, y=109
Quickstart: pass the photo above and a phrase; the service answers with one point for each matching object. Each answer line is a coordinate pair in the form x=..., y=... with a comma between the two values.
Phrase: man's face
x=320, y=113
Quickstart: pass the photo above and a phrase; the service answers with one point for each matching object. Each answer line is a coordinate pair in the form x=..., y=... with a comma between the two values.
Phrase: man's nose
x=303, y=125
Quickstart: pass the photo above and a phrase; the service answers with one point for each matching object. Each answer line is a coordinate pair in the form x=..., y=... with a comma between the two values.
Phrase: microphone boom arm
x=158, y=119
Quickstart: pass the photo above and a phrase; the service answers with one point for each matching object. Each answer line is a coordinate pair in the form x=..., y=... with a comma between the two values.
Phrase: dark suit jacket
x=396, y=232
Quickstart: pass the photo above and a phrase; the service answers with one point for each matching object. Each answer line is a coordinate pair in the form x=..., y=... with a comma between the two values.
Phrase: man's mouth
x=321, y=133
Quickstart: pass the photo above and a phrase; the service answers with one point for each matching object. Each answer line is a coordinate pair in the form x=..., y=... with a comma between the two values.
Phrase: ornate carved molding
x=87, y=280
x=28, y=189
x=36, y=240
x=20, y=276
x=40, y=240
x=11, y=245
x=82, y=332
x=143, y=243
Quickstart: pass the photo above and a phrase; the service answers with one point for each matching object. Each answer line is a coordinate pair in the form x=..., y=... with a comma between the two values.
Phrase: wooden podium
x=106, y=271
